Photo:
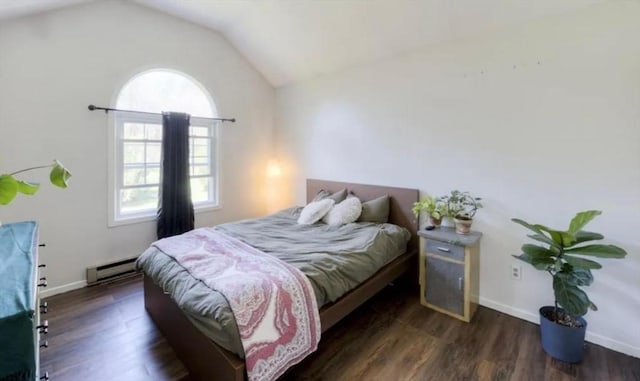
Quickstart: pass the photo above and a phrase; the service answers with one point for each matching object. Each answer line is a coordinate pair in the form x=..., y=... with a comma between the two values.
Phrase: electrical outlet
x=516, y=272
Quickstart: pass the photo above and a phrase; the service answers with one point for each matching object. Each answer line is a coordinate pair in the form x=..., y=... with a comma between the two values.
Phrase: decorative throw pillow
x=322, y=194
x=376, y=210
x=339, y=196
x=314, y=211
x=345, y=212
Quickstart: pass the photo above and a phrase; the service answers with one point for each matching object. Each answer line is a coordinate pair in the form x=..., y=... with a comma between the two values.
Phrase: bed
x=207, y=360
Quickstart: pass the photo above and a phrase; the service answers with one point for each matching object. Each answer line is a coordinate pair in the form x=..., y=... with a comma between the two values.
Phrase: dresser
x=20, y=308
x=449, y=271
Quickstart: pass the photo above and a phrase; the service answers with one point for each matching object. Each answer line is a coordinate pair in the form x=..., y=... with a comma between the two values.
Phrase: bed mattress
x=335, y=259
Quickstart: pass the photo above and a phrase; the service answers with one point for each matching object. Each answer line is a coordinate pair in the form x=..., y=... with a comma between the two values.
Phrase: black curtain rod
x=107, y=109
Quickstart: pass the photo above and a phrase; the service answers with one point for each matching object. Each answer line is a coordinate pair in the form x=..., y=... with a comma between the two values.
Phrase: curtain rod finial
x=92, y=107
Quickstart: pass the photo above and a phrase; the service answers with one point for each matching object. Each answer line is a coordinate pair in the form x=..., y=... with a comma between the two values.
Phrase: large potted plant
x=461, y=206
x=565, y=256
x=10, y=186
x=434, y=208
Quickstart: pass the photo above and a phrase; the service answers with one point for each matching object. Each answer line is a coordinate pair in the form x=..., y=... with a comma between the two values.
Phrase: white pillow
x=314, y=211
x=345, y=212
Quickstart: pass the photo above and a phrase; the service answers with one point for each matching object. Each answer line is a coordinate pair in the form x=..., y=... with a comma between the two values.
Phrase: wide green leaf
x=526, y=225
x=571, y=298
x=25, y=187
x=535, y=251
x=555, y=234
x=584, y=236
x=8, y=189
x=582, y=219
x=542, y=263
x=59, y=175
x=576, y=276
x=543, y=238
x=523, y=257
x=600, y=251
x=538, y=263
x=582, y=277
x=581, y=262
x=561, y=238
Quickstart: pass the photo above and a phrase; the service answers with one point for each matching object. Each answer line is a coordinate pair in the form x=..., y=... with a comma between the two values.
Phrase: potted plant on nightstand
x=562, y=255
x=461, y=206
x=433, y=206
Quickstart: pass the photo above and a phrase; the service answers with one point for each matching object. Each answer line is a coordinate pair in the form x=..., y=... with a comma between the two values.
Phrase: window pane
x=199, y=149
x=161, y=90
x=200, y=142
x=133, y=175
x=200, y=189
x=133, y=152
x=199, y=131
x=133, y=131
x=200, y=160
x=199, y=170
x=154, y=131
x=153, y=175
x=138, y=199
x=153, y=153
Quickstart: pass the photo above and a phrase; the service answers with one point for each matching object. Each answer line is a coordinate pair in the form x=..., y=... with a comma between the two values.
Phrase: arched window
x=138, y=137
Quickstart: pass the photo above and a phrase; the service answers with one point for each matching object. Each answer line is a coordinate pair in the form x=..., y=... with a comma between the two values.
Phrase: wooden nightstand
x=449, y=271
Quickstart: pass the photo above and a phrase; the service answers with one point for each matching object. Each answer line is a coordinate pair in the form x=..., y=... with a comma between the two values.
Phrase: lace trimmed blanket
x=273, y=302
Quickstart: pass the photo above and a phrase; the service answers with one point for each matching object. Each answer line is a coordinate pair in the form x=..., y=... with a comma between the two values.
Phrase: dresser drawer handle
x=43, y=282
x=45, y=376
x=44, y=308
x=42, y=266
x=45, y=344
x=44, y=327
x=43, y=245
x=444, y=249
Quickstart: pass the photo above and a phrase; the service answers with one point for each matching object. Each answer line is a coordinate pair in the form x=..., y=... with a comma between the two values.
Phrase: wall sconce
x=274, y=194
x=273, y=168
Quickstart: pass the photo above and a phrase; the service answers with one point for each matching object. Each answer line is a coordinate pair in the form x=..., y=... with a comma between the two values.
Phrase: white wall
x=53, y=65
x=541, y=121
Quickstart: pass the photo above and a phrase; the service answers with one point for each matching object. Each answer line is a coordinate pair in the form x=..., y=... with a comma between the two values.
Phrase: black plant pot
x=561, y=342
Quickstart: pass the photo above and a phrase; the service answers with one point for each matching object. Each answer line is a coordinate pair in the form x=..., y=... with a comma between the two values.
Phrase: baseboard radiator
x=111, y=271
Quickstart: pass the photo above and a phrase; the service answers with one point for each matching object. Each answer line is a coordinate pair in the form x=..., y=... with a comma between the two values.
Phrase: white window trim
x=115, y=164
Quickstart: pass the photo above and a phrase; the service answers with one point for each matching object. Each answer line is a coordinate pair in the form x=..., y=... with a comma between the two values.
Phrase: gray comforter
x=335, y=259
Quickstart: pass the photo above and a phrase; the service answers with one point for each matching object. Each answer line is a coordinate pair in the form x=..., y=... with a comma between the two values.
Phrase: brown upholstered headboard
x=401, y=202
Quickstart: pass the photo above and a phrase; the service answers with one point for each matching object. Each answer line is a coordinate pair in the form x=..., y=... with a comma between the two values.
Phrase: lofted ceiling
x=292, y=40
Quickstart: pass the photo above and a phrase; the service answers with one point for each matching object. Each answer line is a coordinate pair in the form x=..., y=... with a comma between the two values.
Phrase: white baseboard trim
x=47, y=292
x=591, y=337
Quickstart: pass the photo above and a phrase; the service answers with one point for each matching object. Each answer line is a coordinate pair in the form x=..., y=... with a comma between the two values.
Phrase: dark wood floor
x=103, y=333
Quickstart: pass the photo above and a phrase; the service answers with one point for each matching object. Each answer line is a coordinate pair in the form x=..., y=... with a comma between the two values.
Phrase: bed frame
x=206, y=361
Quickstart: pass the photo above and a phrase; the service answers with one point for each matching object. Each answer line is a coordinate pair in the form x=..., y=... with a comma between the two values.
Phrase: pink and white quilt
x=273, y=302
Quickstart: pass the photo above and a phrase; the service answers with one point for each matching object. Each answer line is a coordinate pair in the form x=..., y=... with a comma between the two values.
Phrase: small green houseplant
x=433, y=206
x=10, y=186
x=565, y=256
x=461, y=206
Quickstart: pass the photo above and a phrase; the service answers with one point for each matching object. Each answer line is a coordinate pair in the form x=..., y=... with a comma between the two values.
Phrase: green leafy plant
x=431, y=205
x=460, y=205
x=10, y=186
x=565, y=257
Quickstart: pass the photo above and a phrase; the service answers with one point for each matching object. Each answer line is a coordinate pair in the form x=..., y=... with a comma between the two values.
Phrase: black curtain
x=175, y=209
